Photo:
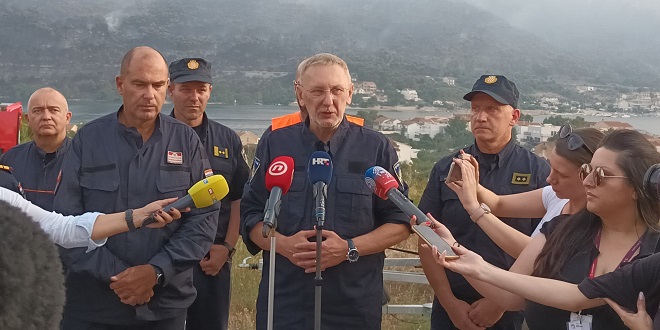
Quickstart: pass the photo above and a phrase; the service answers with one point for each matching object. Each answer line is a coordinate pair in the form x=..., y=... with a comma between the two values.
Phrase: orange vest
x=294, y=118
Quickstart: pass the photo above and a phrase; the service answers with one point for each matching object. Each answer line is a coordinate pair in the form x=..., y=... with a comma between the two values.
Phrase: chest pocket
x=222, y=166
x=99, y=184
x=354, y=206
x=293, y=207
x=173, y=179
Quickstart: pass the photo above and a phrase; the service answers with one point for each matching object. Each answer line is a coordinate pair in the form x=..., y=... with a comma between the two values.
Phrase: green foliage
x=577, y=122
x=526, y=117
x=369, y=117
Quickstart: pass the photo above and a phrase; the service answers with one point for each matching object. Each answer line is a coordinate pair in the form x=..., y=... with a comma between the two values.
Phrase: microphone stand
x=320, y=193
x=270, y=231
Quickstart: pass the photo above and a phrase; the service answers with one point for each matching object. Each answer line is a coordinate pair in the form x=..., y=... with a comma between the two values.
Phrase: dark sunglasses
x=598, y=174
x=574, y=141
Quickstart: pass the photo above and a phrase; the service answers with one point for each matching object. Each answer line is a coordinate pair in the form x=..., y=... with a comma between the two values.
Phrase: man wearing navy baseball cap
x=504, y=168
x=190, y=90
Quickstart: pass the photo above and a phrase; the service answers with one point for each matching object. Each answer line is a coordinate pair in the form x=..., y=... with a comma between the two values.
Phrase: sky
x=628, y=25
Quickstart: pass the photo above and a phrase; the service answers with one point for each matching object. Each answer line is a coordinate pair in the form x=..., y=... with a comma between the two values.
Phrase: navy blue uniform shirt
x=352, y=292
x=110, y=169
x=8, y=181
x=225, y=153
x=37, y=171
x=513, y=170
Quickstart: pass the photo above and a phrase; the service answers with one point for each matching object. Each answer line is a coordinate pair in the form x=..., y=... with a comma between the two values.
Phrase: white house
x=405, y=152
x=535, y=133
x=410, y=94
x=430, y=126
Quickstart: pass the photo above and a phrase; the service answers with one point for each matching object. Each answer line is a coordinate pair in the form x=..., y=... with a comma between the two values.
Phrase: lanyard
x=625, y=259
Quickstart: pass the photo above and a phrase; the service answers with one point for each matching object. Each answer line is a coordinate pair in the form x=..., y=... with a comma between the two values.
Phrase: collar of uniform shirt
x=336, y=139
x=203, y=127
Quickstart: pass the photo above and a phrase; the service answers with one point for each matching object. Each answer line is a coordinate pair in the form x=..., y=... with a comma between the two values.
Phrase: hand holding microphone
x=385, y=186
x=278, y=181
x=204, y=193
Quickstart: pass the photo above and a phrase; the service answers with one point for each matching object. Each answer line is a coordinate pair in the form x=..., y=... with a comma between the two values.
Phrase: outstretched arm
x=544, y=291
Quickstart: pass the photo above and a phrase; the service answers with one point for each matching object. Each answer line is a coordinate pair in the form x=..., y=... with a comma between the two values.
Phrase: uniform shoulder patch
x=520, y=178
x=255, y=167
x=5, y=168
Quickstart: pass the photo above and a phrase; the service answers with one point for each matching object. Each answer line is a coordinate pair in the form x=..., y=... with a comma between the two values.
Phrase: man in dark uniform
x=37, y=164
x=140, y=279
x=190, y=90
x=356, y=219
x=504, y=168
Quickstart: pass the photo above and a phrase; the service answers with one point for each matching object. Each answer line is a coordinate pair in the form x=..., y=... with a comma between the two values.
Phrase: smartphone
x=454, y=173
x=431, y=238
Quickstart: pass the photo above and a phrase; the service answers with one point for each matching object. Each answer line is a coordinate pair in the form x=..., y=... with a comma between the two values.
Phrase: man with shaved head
x=37, y=164
x=141, y=279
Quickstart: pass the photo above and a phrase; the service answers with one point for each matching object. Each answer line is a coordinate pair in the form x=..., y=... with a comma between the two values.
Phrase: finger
x=305, y=246
x=617, y=309
x=307, y=233
x=114, y=278
x=174, y=214
x=328, y=233
x=641, y=303
x=164, y=202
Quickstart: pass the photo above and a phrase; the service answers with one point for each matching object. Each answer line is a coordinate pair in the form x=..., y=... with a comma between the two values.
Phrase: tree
x=525, y=117
x=369, y=117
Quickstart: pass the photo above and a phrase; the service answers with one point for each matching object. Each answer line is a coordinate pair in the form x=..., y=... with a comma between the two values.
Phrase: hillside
x=76, y=46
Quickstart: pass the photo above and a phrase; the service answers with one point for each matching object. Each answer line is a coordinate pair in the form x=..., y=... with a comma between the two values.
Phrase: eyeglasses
x=598, y=174
x=574, y=141
x=317, y=92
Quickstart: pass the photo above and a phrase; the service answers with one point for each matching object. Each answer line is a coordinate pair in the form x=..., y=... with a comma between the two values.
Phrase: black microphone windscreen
x=319, y=168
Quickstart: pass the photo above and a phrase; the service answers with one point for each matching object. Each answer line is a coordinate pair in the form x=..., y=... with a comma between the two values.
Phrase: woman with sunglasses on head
x=90, y=229
x=564, y=195
x=618, y=226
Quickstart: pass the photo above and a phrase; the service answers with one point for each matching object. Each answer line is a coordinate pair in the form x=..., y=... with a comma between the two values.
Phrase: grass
x=245, y=285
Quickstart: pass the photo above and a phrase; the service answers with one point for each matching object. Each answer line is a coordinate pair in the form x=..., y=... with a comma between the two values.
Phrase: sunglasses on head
x=574, y=141
x=598, y=174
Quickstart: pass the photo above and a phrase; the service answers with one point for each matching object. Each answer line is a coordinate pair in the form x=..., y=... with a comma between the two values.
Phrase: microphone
x=385, y=186
x=202, y=194
x=278, y=181
x=319, y=172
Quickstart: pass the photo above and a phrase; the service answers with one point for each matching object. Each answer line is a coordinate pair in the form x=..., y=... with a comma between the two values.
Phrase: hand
x=287, y=245
x=333, y=252
x=639, y=321
x=155, y=208
x=465, y=156
x=437, y=227
x=468, y=263
x=218, y=256
x=458, y=314
x=466, y=189
x=485, y=313
x=134, y=285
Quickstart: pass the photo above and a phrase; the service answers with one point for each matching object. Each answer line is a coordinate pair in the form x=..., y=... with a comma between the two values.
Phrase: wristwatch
x=231, y=249
x=483, y=209
x=159, y=274
x=353, y=255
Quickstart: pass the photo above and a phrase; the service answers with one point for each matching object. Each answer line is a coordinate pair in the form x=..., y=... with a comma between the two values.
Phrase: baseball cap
x=498, y=87
x=190, y=69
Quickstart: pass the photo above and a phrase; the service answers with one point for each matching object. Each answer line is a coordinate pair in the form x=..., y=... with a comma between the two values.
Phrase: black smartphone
x=431, y=238
x=454, y=173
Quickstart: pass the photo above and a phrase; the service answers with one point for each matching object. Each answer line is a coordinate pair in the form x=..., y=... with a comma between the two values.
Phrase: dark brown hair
x=635, y=154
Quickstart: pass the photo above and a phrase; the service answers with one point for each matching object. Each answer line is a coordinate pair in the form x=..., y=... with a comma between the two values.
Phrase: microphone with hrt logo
x=319, y=172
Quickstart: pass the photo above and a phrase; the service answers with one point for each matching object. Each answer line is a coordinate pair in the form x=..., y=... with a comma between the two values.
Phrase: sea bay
x=256, y=118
